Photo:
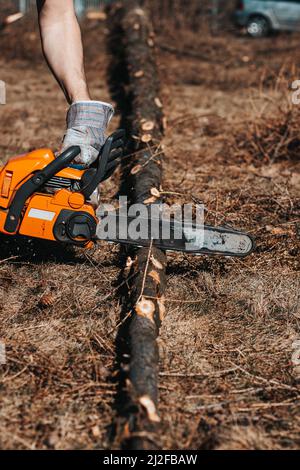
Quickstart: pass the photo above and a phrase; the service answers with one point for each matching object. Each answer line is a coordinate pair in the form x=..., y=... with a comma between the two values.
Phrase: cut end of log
x=146, y=138
x=150, y=200
x=150, y=407
x=161, y=308
x=155, y=276
x=155, y=192
x=148, y=125
x=136, y=169
x=157, y=264
x=145, y=308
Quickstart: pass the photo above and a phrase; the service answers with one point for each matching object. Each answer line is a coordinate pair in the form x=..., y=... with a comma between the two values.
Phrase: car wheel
x=258, y=27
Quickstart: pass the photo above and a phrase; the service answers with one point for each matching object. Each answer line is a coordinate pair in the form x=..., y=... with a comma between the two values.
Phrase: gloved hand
x=86, y=125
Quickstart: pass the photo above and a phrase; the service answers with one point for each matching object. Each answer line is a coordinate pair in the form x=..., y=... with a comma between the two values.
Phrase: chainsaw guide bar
x=184, y=237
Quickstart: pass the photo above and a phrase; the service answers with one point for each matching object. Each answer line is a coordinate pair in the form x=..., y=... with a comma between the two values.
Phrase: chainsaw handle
x=30, y=186
x=60, y=162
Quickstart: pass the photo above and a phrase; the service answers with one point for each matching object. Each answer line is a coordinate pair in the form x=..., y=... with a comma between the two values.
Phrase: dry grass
x=227, y=377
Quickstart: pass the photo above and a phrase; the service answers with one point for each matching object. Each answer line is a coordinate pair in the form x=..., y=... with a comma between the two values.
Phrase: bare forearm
x=62, y=46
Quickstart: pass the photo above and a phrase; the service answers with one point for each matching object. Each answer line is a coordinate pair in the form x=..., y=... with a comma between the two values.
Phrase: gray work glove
x=86, y=125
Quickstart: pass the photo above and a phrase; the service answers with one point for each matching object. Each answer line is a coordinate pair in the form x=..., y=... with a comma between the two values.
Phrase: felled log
x=145, y=266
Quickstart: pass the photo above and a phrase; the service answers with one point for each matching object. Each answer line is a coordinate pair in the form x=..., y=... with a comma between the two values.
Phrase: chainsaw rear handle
x=35, y=182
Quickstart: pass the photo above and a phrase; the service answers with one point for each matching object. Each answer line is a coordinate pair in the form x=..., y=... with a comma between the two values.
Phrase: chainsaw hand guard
x=108, y=160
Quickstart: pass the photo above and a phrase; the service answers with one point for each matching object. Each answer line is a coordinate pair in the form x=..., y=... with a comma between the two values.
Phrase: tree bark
x=146, y=266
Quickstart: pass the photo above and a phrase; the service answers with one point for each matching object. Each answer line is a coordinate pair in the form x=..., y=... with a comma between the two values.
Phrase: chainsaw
x=48, y=197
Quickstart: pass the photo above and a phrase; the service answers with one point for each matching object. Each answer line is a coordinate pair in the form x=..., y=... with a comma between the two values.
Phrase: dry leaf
x=146, y=138
x=47, y=300
x=148, y=126
x=155, y=276
x=136, y=169
x=165, y=123
x=150, y=42
x=150, y=407
x=157, y=264
x=276, y=230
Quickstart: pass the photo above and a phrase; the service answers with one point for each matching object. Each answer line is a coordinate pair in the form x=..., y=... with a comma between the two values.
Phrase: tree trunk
x=144, y=121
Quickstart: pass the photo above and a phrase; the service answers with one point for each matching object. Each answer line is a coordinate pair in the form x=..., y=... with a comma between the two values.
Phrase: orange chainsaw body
x=42, y=196
x=41, y=209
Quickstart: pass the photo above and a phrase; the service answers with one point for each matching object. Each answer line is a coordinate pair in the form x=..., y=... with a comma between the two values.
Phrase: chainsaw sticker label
x=42, y=215
x=2, y=92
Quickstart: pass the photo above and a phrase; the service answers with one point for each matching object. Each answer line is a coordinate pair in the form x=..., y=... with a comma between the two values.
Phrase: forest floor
x=228, y=375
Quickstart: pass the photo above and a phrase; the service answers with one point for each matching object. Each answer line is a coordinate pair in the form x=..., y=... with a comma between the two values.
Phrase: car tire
x=258, y=26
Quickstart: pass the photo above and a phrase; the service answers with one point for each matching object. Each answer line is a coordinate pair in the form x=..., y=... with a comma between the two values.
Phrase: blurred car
x=260, y=17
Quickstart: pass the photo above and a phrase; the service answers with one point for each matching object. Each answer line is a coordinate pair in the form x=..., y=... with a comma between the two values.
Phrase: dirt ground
x=228, y=375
